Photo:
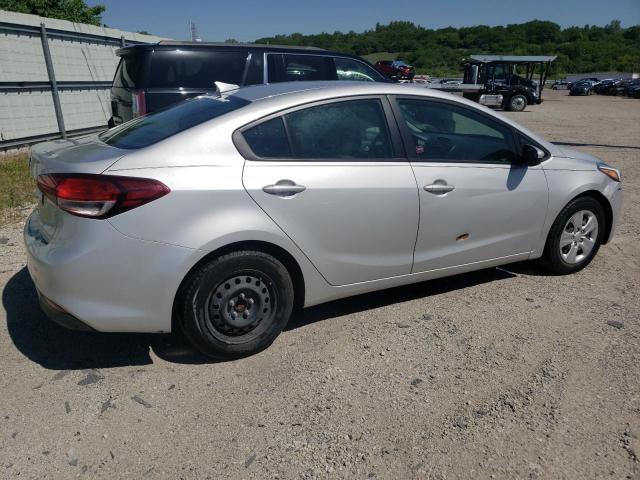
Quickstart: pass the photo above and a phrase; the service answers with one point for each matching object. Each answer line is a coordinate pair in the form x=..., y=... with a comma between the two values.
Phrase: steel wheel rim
x=240, y=307
x=578, y=237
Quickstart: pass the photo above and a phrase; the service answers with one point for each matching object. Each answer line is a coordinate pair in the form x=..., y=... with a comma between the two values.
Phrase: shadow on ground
x=57, y=348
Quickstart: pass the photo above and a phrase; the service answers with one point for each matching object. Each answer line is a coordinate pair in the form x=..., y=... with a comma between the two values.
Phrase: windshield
x=144, y=131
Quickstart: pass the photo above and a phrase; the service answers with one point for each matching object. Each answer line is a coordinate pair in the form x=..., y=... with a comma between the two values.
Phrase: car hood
x=575, y=160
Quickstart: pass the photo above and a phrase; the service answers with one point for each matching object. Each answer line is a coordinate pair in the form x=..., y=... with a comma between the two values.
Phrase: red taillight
x=99, y=196
x=138, y=103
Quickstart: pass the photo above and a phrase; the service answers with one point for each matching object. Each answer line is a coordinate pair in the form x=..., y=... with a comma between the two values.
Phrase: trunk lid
x=81, y=155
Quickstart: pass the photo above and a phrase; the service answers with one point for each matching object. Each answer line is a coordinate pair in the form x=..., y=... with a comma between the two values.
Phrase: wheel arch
x=290, y=263
x=606, y=206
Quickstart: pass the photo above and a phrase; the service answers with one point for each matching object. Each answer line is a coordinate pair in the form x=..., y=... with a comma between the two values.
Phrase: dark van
x=150, y=77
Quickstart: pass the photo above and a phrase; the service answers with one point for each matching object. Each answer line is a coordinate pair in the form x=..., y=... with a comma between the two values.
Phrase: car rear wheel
x=236, y=304
x=575, y=236
x=517, y=103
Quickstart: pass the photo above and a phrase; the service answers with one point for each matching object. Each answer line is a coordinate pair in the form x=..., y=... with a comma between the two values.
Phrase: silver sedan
x=221, y=215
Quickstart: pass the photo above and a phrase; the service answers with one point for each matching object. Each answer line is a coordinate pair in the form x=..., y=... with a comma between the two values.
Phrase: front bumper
x=89, y=273
x=616, y=209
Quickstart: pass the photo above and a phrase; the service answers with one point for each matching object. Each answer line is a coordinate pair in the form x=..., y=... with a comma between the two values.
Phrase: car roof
x=510, y=58
x=174, y=45
x=333, y=89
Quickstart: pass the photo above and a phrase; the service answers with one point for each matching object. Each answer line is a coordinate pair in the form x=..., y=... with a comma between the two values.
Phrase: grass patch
x=16, y=186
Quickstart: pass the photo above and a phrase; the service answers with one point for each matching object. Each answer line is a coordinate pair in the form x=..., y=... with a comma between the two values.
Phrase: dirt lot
x=504, y=373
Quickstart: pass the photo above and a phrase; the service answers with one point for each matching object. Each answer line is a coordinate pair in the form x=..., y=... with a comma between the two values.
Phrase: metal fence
x=55, y=77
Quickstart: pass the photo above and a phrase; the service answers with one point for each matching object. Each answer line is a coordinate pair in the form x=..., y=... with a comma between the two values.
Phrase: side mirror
x=531, y=155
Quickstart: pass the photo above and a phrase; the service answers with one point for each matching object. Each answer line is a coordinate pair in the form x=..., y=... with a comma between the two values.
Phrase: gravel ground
x=503, y=373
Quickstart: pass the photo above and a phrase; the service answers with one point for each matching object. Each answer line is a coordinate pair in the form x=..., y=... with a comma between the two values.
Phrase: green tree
x=72, y=10
x=438, y=52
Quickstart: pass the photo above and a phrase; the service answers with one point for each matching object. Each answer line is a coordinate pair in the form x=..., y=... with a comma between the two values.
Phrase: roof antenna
x=222, y=87
x=194, y=32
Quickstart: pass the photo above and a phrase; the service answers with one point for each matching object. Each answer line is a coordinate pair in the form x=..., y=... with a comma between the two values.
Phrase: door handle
x=284, y=188
x=439, y=188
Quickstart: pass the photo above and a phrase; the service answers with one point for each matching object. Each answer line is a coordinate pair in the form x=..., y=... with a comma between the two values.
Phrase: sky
x=247, y=20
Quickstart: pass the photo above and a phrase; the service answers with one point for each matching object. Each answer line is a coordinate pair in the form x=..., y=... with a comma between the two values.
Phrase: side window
x=355, y=129
x=449, y=133
x=349, y=69
x=306, y=67
x=268, y=139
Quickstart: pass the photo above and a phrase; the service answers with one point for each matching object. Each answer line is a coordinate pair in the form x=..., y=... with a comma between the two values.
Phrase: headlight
x=612, y=173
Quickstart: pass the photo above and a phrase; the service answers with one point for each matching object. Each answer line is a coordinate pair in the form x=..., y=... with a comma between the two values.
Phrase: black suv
x=150, y=77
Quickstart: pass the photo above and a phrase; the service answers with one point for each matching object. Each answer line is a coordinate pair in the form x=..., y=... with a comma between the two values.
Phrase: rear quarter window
x=129, y=72
x=144, y=131
x=196, y=69
x=291, y=67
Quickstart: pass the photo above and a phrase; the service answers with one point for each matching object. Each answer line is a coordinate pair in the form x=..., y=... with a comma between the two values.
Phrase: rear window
x=144, y=131
x=195, y=69
x=129, y=71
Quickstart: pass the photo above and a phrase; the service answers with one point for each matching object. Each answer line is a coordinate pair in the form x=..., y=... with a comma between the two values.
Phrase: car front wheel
x=236, y=304
x=575, y=236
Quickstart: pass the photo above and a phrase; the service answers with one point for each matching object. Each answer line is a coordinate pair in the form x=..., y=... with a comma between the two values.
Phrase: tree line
x=438, y=52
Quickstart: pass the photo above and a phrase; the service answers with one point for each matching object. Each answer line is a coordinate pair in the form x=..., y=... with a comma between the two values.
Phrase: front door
x=332, y=177
x=475, y=203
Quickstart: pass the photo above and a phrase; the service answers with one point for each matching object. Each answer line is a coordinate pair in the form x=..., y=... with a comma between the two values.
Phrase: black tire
x=517, y=103
x=552, y=258
x=259, y=286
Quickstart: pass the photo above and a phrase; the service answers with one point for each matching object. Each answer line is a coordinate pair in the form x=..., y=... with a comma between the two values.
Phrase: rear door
x=333, y=177
x=175, y=75
x=476, y=204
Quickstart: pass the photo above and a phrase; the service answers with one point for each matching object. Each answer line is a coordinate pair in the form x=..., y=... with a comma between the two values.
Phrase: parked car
x=450, y=81
x=591, y=80
x=219, y=215
x=609, y=87
x=631, y=88
x=560, y=85
x=396, y=69
x=581, y=88
x=151, y=77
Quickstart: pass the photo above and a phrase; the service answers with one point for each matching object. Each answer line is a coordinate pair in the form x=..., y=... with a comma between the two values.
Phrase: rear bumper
x=60, y=316
x=89, y=273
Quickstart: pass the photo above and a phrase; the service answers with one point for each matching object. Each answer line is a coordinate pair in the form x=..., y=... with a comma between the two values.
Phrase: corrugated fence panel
x=84, y=62
x=21, y=58
x=82, y=108
x=26, y=112
x=74, y=60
